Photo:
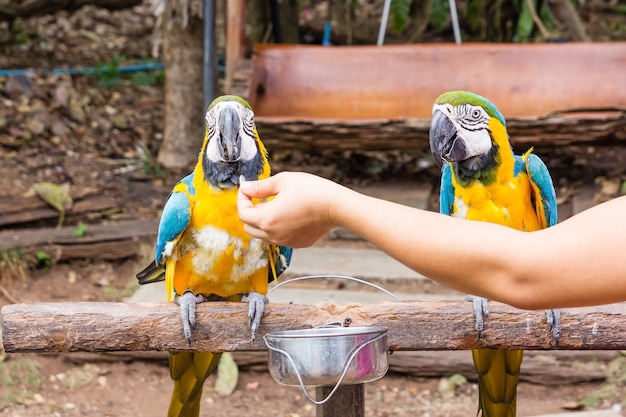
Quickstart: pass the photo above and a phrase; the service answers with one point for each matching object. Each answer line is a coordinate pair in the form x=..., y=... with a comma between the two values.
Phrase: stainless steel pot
x=327, y=356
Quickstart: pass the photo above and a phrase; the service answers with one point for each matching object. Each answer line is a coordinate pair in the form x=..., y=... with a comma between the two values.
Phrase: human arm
x=575, y=263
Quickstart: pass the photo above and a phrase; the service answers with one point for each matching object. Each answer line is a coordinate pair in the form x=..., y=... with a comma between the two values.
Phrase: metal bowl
x=328, y=356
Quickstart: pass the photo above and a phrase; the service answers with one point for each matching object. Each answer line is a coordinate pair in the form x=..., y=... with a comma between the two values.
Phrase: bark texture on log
x=100, y=241
x=24, y=238
x=539, y=367
x=17, y=211
x=411, y=134
x=10, y=9
x=221, y=326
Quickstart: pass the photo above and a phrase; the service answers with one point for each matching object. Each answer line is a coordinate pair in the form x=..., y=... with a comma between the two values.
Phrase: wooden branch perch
x=222, y=326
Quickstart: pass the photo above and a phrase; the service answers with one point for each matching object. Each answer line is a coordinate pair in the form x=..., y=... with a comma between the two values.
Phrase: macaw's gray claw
x=187, y=303
x=256, y=308
x=554, y=324
x=481, y=308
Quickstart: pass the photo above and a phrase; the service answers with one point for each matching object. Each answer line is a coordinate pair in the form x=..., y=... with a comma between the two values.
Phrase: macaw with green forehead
x=483, y=180
x=202, y=251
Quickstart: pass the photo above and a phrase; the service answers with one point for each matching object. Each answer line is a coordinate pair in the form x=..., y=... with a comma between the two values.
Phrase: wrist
x=340, y=203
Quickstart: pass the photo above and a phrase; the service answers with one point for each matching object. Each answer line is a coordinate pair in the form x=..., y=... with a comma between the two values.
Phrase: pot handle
x=362, y=281
x=355, y=350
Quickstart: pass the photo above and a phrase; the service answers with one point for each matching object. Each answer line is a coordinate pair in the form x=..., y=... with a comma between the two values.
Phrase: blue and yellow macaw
x=202, y=251
x=483, y=180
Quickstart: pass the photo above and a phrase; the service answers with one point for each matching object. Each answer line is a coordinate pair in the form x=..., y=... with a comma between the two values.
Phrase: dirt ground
x=82, y=133
x=72, y=386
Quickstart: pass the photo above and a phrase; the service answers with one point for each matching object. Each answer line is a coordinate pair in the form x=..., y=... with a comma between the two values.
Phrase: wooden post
x=235, y=42
x=347, y=401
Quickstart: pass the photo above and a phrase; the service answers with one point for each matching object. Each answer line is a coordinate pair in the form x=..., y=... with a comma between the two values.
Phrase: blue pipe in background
x=153, y=66
x=326, y=37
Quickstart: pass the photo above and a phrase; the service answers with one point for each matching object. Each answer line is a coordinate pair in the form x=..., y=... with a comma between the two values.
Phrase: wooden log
x=118, y=249
x=222, y=326
x=402, y=81
x=18, y=211
x=543, y=370
x=12, y=9
x=411, y=134
x=100, y=241
x=539, y=367
x=317, y=98
x=22, y=238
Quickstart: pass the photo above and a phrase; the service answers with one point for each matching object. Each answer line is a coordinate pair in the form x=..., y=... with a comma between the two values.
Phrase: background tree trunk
x=260, y=22
x=567, y=16
x=184, y=112
x=289, y=20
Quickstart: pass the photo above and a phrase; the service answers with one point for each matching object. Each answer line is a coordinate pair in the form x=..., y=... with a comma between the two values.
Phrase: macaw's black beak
x=442, y=137
x=230, y=142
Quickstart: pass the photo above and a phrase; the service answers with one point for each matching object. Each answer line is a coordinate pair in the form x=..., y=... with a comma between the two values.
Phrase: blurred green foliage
x=484, y=20
x=109, y=74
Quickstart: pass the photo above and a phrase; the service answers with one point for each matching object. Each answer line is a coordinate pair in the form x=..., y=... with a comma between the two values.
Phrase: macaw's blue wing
x=543, y=189
x=280, y=258
x=174, y=219
x=446, y=195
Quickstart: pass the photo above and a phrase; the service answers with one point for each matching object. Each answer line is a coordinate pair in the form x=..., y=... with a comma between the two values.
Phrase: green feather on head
x=230, y=98
x=457, y=98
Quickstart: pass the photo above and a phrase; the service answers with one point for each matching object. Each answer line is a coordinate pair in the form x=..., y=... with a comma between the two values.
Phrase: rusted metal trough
x=380, y=98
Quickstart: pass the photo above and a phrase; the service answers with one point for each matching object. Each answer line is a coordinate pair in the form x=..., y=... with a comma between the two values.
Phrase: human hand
x=297, y=216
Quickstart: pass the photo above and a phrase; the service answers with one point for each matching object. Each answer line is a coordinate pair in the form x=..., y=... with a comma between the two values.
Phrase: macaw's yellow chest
x=507, y=202
x=215, y=255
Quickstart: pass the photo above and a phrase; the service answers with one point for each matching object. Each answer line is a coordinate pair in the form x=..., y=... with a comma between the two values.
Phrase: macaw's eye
x=476, y=114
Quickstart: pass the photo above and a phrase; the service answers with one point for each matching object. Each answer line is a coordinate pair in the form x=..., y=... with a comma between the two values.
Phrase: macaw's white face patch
x=472, y=126
x=231, y=133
